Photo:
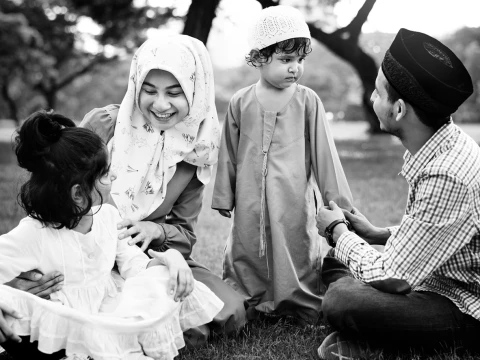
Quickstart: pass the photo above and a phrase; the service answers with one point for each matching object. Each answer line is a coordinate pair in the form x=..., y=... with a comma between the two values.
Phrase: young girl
x=275, y=143
x=69, y=230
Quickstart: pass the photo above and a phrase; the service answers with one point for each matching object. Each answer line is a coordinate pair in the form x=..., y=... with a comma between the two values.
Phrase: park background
x=74, y=55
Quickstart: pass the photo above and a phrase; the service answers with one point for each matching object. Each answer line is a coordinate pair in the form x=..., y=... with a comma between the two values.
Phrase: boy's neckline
x=274, y=111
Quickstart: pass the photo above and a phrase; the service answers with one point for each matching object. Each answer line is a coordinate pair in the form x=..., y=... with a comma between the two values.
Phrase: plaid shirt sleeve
x=434, y=227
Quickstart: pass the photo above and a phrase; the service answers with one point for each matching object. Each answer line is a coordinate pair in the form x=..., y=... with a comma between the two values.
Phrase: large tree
x=344, y=42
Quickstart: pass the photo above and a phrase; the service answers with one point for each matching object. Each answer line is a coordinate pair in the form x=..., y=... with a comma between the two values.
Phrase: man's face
x=382, y=106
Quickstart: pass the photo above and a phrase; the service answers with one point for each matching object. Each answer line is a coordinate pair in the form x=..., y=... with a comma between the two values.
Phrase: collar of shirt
x=436, y=145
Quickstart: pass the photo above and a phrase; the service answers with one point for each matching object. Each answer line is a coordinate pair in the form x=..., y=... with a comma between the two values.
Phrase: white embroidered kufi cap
x=275, y=24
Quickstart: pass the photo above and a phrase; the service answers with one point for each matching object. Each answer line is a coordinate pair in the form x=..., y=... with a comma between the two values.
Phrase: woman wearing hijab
x=164, y=140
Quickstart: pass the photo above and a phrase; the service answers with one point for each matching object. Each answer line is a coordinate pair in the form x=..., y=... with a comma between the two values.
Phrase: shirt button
x=91, y=255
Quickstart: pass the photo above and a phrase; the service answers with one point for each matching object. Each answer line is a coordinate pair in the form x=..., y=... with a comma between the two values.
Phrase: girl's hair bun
x=50, y=129
x=36, y=137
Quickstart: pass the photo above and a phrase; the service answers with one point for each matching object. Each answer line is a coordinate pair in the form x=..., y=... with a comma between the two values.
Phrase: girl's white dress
x=96, y=312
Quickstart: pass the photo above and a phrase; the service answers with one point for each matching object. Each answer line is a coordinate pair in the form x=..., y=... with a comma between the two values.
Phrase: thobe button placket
x=91, y=255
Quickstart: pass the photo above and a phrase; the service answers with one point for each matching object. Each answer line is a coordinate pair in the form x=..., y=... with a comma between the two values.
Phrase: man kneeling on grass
x=424, y=289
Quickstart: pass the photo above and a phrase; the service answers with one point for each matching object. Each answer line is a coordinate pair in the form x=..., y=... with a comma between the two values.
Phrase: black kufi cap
x=426, y=73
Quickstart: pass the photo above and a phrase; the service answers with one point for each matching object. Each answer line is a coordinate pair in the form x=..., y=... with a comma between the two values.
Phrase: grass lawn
x=372, y=168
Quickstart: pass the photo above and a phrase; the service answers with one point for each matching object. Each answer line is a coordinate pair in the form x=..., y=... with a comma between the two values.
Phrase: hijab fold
x=145, y=158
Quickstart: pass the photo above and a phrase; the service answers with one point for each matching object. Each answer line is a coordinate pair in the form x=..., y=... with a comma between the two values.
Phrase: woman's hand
x=6, y=332
x=141, y=231
x=38, y=284
x=181, y=276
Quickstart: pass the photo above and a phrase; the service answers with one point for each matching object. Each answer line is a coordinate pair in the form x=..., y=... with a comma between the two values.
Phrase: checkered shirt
x=437, y=245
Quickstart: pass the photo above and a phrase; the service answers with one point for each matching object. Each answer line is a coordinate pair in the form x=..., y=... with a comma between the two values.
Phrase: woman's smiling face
x=162, y=100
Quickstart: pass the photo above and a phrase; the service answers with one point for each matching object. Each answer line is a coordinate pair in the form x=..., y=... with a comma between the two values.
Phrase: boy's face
x=283, y=71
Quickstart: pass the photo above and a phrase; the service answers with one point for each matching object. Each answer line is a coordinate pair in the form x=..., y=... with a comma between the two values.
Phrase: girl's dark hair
x=59, y=155
x=300, y=46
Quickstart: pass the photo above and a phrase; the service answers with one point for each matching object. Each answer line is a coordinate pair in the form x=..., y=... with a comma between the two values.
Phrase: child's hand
x=140, y=231
x=225, y=213
x=6, y=332
x=181, y=276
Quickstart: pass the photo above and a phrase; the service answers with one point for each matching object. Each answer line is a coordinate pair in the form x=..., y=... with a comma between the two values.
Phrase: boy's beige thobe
x=292, y=150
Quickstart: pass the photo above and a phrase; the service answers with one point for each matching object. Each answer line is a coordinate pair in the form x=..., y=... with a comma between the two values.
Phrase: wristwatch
x=329, y=230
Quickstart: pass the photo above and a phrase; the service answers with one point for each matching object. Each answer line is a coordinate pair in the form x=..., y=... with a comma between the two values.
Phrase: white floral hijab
x=145, y=159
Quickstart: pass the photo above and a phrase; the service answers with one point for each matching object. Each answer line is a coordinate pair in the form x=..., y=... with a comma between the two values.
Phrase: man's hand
x=181, y=276
x=38, y=284
x=327, y=215
x=371, y=234
x=141, y=231
x=225, y=213
x=6, y=332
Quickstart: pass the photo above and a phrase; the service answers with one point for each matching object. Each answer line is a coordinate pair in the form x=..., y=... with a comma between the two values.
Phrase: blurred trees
x=44, y=48
x=53, y=48
x=465, y=43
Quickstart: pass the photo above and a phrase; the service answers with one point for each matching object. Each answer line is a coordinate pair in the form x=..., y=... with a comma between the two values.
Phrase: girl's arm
x=326, y=164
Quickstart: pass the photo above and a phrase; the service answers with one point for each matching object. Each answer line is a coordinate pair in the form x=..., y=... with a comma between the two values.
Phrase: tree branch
x=96, y=61
x=352, y=31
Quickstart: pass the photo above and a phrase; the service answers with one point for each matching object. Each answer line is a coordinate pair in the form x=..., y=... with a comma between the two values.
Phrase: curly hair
x=58, y=155
x=301, y=46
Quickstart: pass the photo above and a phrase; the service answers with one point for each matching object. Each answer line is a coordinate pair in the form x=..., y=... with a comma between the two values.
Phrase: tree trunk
x=199, y=19
x=363, y=64
x=12, y=107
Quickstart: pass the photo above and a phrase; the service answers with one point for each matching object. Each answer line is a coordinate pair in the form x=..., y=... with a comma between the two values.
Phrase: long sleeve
x=326, y=164
x=179, y=224
x=224, y=189
x=102, y=121
x=423, y=242
x=20, y=250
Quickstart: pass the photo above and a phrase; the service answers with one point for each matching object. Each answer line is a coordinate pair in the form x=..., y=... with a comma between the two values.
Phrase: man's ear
x=77, y=194
x=400, y=109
